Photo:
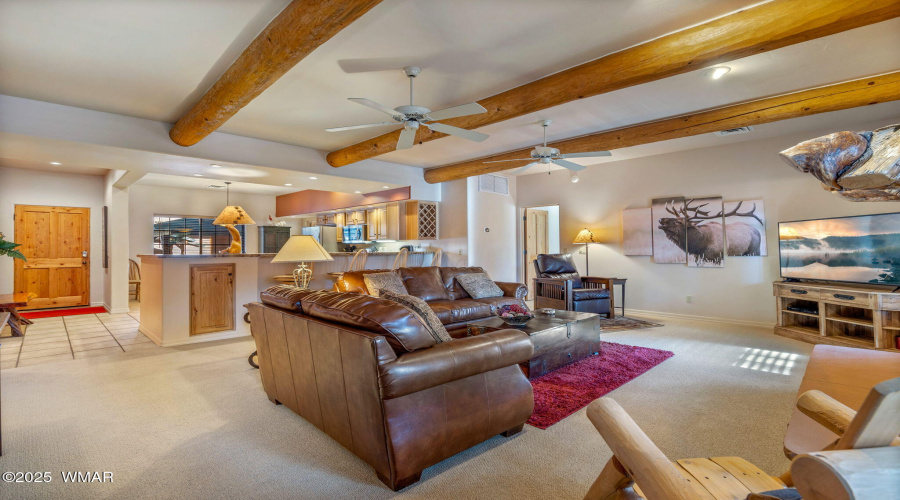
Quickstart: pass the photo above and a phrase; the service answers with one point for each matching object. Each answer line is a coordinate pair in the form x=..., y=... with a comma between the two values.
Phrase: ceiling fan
x=544, y=155
x=412, y=116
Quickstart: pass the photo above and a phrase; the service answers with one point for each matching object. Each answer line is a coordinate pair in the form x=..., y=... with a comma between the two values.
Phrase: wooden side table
x=9, y=303
x=620, y=281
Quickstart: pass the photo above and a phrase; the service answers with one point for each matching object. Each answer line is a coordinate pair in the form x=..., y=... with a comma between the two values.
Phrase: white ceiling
x=154, y=58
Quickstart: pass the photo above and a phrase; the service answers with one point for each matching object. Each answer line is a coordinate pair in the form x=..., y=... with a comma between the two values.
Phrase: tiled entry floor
x=64, y=338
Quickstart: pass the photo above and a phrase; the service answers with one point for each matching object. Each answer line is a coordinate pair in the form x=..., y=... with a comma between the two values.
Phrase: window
x=180, y=235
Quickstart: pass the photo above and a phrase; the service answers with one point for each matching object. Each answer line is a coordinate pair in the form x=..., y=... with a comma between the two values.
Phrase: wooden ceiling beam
x=762, y=28
x=299, y=29
x=850, y=94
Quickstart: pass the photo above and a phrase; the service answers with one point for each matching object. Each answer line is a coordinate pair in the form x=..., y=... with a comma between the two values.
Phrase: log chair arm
x=826, y=411
x=553, y=288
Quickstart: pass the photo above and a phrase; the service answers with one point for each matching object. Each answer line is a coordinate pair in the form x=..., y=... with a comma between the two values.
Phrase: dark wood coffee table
x=558, y=340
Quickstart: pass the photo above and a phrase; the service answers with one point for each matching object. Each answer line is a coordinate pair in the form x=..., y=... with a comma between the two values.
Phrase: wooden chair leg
x=610, y=482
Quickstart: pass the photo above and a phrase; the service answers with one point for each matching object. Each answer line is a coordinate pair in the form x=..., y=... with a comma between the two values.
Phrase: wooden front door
x=537, y=238
x=57, y=243
x=212, y=298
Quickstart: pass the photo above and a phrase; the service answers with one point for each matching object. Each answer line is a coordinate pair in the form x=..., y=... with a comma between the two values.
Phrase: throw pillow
x=479, y=285
x=421, y=309
x=378, y=282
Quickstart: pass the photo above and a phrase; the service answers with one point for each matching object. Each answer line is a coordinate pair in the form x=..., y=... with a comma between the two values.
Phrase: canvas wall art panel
x=745, y=228
x=668, y=232
x=704, y=232
x=637, y=238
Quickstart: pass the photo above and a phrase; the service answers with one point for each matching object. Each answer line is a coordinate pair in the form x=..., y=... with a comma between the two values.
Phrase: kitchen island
x=200, y=298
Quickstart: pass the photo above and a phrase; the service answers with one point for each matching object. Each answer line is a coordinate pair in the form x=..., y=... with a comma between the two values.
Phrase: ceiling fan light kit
x=412, y=116
x=544, y=155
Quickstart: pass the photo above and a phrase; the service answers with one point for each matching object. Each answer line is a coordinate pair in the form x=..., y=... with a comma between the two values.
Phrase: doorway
x=56, y=241
x=540, y=235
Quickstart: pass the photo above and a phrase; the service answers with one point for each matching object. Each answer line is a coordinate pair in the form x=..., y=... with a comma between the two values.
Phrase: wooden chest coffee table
x=558, y=340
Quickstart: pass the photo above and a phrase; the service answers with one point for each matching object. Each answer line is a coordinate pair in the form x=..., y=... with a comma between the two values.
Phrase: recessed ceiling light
x=717, y=72
x=215, y=165
x=288, y=184
x=385, y=187
x=198, y=175
x=357, y=192
x=55, y=163
x=313, y=178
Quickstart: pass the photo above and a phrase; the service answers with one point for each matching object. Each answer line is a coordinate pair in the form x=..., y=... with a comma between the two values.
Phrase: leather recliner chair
x=368, y=373
x=559, y=286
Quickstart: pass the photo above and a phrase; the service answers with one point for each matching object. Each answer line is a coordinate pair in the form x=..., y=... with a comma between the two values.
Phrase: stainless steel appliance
x=325, y=235
x=354, y=233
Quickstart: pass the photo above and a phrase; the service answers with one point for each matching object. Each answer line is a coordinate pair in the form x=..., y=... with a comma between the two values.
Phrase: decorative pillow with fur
x=390, y=281
x=479, y=285
x=421, y=309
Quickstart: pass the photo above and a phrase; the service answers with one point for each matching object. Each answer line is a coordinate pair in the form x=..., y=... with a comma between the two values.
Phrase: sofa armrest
x=453, y=360
x=517, y=290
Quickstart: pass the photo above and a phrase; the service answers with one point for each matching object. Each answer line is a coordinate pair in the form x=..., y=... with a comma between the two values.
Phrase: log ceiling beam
x=759, y=29
x=850, y=94
x=299, y=29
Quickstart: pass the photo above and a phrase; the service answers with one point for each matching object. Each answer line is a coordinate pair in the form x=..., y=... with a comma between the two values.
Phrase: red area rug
x=75, y=311
x=561, y=393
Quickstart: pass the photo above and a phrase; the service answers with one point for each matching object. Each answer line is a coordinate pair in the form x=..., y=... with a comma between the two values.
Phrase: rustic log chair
x=559, y=286
x=639, y=469
x=134, y=278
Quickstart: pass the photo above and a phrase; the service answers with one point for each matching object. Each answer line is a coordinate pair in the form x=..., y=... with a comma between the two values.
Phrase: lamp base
x=235, y=246
x=302, y=276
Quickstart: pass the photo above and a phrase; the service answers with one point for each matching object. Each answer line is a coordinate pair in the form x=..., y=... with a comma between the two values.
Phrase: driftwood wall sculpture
x=860, y=166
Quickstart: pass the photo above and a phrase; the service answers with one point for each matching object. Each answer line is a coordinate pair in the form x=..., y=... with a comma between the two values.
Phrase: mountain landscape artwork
x=864, y=249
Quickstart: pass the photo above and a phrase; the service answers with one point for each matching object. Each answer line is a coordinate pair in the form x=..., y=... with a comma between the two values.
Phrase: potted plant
x=9, y=248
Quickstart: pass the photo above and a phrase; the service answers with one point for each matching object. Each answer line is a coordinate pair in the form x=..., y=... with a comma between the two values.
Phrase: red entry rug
x=75, y=311
x=561, y=393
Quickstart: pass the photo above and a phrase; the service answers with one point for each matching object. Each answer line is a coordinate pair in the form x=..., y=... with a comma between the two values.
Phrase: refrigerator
x=325, y=235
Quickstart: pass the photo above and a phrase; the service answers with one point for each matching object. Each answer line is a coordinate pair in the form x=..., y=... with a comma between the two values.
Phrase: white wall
x=35, y=187
x=145, y=201
x=115, y=284
x=453, y=224
x=495, y=250
x=742, y=289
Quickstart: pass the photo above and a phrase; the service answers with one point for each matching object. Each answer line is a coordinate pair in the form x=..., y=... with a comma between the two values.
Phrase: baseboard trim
x=111, y=310
x=710, y=319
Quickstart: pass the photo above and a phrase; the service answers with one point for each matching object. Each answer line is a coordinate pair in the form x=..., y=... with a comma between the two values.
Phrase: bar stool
x=357, y=263
x=400, y=260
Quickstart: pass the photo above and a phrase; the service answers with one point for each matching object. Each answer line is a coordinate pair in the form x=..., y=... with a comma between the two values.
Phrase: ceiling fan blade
x=354, y=127
x=567, y=164
x=458, y=132
x=407, y=139
x=526, y=167
x=473, y=108
x=380, y=107
x=591, y=154
x=501, y=161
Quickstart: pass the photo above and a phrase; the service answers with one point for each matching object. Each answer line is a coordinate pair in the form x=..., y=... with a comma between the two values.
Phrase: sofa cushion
x=285, y=297
x=589, y=294
x=420, y=307
x=355, y=281
x=424, y=282
x=455, y=311
x=387, y=281
x=448, y=276
x=479, y=285
x=405, y=332
x=496, y=302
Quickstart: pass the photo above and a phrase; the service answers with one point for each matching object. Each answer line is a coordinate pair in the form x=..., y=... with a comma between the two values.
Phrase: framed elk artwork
x=704, y=232
x=637, y=238
x=745, y=228
x=668, y=230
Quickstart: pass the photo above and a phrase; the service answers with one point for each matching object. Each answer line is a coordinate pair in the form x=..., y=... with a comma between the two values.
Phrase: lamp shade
x=585, y=236
x=302, y=248
x=233, y=214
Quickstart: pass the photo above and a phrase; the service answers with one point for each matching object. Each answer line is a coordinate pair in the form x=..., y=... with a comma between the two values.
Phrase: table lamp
x=232, y=215
x=586, y=237
x=302, y=248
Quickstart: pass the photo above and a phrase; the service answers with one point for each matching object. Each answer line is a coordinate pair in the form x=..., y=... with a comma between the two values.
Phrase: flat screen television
x=860, y=249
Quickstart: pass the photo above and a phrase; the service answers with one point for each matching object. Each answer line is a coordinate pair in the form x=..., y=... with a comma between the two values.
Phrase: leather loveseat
x=439, y=288
x=366, y=372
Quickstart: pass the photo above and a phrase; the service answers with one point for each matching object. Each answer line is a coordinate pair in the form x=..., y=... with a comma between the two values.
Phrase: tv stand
x=847, y=315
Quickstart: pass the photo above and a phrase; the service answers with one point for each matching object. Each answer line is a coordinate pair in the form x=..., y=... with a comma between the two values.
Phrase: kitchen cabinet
x=376, y=220
x=392, y=221
x=212, y=298
x=355, y=217
x=421, y=221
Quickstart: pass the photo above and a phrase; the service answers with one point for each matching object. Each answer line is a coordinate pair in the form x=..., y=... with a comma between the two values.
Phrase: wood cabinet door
x=212, y=298
x=57, y=243
x=392, y=222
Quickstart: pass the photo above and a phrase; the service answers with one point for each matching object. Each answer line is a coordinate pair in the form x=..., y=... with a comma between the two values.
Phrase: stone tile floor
x=65, y=338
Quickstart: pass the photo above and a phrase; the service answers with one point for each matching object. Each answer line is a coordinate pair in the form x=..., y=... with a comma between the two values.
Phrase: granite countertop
x=269, y=255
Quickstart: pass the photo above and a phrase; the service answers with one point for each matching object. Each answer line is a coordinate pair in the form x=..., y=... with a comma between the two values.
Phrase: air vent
x=490, y=183
x=732, y=131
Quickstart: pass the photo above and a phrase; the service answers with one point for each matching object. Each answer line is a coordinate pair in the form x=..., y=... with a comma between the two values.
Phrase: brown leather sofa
x=438, y=287
x=367, y=373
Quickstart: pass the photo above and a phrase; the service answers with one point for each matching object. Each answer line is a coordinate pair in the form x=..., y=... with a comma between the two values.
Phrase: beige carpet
x=193, y=422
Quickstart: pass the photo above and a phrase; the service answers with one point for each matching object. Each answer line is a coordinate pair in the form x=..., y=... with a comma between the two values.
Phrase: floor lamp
x=586, y=237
